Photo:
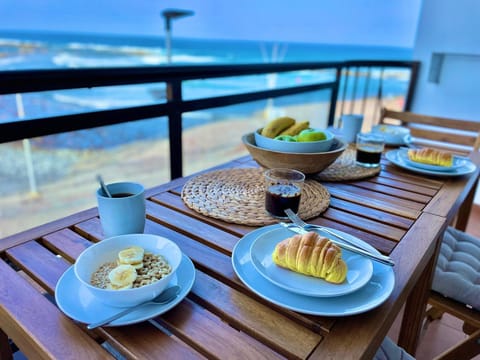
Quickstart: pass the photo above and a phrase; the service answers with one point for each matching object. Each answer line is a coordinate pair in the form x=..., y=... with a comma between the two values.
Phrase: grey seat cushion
x=391, y=351
x=457, y=274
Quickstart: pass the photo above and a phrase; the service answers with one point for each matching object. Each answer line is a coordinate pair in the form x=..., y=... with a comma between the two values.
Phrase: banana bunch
x=124, y=275
x=284, y=126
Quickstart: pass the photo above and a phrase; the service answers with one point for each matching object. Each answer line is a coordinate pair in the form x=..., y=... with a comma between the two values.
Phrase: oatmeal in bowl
x=128, y=269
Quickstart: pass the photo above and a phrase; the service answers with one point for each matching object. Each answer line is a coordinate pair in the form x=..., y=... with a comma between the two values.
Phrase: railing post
x=334, y=96
x=174, y=96
x=411, y=86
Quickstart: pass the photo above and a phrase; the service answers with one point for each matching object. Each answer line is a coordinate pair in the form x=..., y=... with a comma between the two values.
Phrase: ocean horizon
x=47, y=50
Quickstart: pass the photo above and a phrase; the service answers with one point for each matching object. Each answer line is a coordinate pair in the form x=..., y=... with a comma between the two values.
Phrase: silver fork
x=303, y=225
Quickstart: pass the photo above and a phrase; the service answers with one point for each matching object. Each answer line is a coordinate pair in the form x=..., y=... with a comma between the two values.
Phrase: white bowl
x=393, y=134
x=294, y=147
x=107, y=251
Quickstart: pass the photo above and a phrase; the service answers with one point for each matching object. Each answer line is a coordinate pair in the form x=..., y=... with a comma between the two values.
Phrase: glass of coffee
x=369, y=149
x=283, y=188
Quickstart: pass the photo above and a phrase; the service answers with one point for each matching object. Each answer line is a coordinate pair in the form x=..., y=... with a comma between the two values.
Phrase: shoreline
x=66, y=178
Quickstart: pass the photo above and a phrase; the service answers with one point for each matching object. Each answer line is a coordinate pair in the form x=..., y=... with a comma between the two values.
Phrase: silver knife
x=376, y=257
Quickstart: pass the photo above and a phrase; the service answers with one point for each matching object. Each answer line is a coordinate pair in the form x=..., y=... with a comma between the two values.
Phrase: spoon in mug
x=103, y=186
x=164, y=298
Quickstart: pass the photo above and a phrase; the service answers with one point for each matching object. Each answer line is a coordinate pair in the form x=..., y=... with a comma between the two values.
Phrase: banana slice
x=136, y=266
x=115, y=287
x=122, y=275
x=131, y=255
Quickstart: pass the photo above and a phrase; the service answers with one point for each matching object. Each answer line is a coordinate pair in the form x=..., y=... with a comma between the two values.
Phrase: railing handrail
x=24, y=81
x=21, y=81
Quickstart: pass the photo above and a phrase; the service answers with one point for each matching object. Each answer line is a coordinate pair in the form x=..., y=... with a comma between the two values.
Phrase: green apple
x=285, y=138
x=311, y=135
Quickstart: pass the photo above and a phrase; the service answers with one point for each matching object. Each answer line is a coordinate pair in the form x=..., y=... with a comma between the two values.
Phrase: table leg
x=415, y=309
x=5, y=349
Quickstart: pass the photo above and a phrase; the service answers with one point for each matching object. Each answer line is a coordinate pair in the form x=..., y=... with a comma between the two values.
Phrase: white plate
x=458, y=162
x=360, y=268
x=374, y=293
x=75, y=301
x=393, y=134
x=396, y=157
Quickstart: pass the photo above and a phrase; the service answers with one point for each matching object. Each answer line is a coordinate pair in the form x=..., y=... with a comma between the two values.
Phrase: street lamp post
x=169, y=15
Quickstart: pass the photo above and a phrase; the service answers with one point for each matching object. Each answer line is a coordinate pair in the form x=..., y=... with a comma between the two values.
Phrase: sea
x=43, y=50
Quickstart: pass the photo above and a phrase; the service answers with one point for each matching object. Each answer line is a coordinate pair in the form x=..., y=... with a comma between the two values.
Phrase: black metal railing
x=25, y=81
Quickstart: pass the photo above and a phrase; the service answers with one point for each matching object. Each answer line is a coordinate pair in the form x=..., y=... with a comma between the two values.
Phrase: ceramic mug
x=124, y=212
x=351, y=126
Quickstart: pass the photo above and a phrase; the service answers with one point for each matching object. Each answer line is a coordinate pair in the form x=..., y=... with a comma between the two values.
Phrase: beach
x=65, y=178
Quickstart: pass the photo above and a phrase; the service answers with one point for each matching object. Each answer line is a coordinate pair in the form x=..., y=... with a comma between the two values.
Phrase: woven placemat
x=238, y=196
x=345, y=168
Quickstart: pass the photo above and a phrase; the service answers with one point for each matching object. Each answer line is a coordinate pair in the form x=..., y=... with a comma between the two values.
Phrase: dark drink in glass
x=280, y=197
x=283, y=188
x=368, y=156
x=369, y=149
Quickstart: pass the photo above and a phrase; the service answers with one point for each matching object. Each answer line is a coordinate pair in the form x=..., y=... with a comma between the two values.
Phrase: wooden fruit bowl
x=308, y=163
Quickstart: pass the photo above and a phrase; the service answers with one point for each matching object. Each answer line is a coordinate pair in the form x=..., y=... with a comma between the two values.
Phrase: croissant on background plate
x=431, y=156
x=311, y=254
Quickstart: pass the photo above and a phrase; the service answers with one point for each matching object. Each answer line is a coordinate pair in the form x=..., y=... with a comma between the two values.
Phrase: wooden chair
x=463, y=137
x=459, y=136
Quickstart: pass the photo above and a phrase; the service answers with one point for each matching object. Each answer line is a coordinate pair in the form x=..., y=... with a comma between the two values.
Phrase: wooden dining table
x=400, y=213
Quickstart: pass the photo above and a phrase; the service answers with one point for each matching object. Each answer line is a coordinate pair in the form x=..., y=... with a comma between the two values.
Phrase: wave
x=75, y=61
x=21, y=43
x=97, y=102
x=125, y=49
x=5, y=61
x=65, y=59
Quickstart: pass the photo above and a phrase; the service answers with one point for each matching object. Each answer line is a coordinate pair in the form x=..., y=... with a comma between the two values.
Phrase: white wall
x=450, y=88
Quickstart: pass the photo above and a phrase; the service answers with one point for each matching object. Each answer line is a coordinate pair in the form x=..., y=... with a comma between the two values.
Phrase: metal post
x=27, y=151
x=169, y=15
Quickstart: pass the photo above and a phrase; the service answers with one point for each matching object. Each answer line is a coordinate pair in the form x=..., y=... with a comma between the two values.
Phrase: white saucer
x=374, y=293
x=360, y=268
x=394, y=135
x=75, y=301
x=398, y=158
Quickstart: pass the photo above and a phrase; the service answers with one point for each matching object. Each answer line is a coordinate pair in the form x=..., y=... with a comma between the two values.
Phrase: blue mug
x=124, y=212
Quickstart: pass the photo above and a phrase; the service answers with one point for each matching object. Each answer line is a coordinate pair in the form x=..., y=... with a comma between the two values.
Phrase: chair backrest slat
x=458, y=135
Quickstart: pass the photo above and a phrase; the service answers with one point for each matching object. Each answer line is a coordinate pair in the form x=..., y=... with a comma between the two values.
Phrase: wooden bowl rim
x=246, y=140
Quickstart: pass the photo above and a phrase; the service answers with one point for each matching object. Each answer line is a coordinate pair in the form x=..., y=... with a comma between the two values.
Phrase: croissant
x=431, y=156
x=311, y=254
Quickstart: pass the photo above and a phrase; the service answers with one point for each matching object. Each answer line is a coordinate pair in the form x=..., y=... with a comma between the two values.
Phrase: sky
x=362, y=22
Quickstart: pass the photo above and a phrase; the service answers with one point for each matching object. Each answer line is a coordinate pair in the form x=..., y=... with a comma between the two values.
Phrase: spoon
x=164, y=298
x=103, y=186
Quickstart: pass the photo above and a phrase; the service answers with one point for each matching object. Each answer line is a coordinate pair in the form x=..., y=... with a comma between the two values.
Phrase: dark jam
x=280, y=197
x=368, y=157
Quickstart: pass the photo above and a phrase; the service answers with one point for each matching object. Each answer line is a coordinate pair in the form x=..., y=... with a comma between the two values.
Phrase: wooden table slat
x=405, y=185
x=398, y=192
x=39, y=263
x=66, y=243
x=381, y=216
x=218, y=239
x=375, y=227
x=211, y=336
x=25, y=313
x=243, y=313
x=394, y=172
x=145, y=341
x=388, y=203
